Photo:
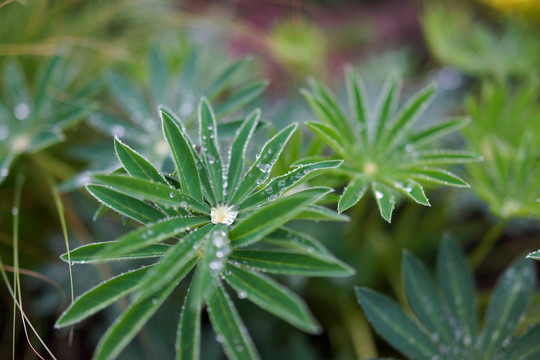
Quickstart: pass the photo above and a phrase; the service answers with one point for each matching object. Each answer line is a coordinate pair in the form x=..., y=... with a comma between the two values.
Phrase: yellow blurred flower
x=527, y=8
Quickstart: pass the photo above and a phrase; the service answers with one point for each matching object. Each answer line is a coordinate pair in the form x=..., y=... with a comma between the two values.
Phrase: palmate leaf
x=27, y=123
x=381, y=148
x=189, y=220
x=446, y=314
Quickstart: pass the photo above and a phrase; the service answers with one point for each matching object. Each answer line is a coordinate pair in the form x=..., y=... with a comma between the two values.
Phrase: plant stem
x=486, y=244
x=359, y=332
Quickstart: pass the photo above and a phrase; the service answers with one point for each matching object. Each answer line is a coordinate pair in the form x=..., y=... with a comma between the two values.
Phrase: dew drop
x=118, y=130
x=379, y=195
x=4, y=132
x=22, y=111
x=14, y=211
x=220, y=338
x=242, y=294
x=264, y=167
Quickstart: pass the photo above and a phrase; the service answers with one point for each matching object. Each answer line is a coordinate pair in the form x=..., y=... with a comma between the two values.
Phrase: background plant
x=380, y=148
x=446, y=326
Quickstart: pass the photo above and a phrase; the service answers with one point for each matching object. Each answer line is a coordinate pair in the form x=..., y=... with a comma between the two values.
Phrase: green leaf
x=436, y=131
x=124, y=329
x=177, y=256
x=279, y=185
x=409, y=114
x=225, y=78
x=210, y=145
x=152, y=234
x=412, y=190
x=321, y=213
x=457, y=287
x=534, y=255
x=424, y=300
x=125, y=205
x=299, y=241
x=159, y=75
x=508, y=303
x=260, y=170
x=385, y=199
x=386, y=106
x=395, y=326
x=289, y=262
x=237, y=153
x=266, y=219
x=91, y=253
x=272, y=297
x=44, y=78
x=330, y=137
x=357, y=100
x=182, y=155
x=328, y=107
x=526, y=347
x=151, y=191
x=15, y=86
x=135, y=164
x=189, y=330
x=230, y=330
x=352, y=193
x=214, y=251
x=240, y=98
x=436, y=157
x=126, y=93
x=100, y=297
x=437, y=176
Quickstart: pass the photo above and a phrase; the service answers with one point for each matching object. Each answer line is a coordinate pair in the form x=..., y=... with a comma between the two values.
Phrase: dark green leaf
x=152, y=234
x=182, y=155
x=266, y=219
x=124, y=329
x=508, y=303
x=125, y=205
x=290, y=263
x=189, y=330
x=456, y=282
x=230, y=330
x=272, y=297
x=395, y=326
x=210, y=145
x=91, y=253
x=385, y=199
x=101, y=296
x=135, y=164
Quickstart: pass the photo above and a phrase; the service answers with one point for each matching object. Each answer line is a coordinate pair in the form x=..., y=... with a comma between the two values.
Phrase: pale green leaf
x=240, y=98
x=188, y=337
x=385, y=199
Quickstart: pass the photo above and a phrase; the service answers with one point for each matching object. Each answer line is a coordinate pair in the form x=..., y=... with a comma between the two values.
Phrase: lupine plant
x=383, y=151
x=30, y=121
x=506, y=131
x=445, y=324
x=206, y=216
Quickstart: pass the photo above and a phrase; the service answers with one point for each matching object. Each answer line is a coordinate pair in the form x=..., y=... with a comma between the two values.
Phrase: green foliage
x=446, y=321
x=177, y=89
x=33, y=120
x=459, y=40
x=211, y=211
x=382, y=150
x=506, y=131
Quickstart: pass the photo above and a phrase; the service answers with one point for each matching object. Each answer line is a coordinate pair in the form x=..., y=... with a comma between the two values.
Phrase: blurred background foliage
x=483, y=55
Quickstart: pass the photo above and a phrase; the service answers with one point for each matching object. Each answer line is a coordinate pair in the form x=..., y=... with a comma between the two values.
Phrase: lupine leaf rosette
x=384, y=153
x=208, y=216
